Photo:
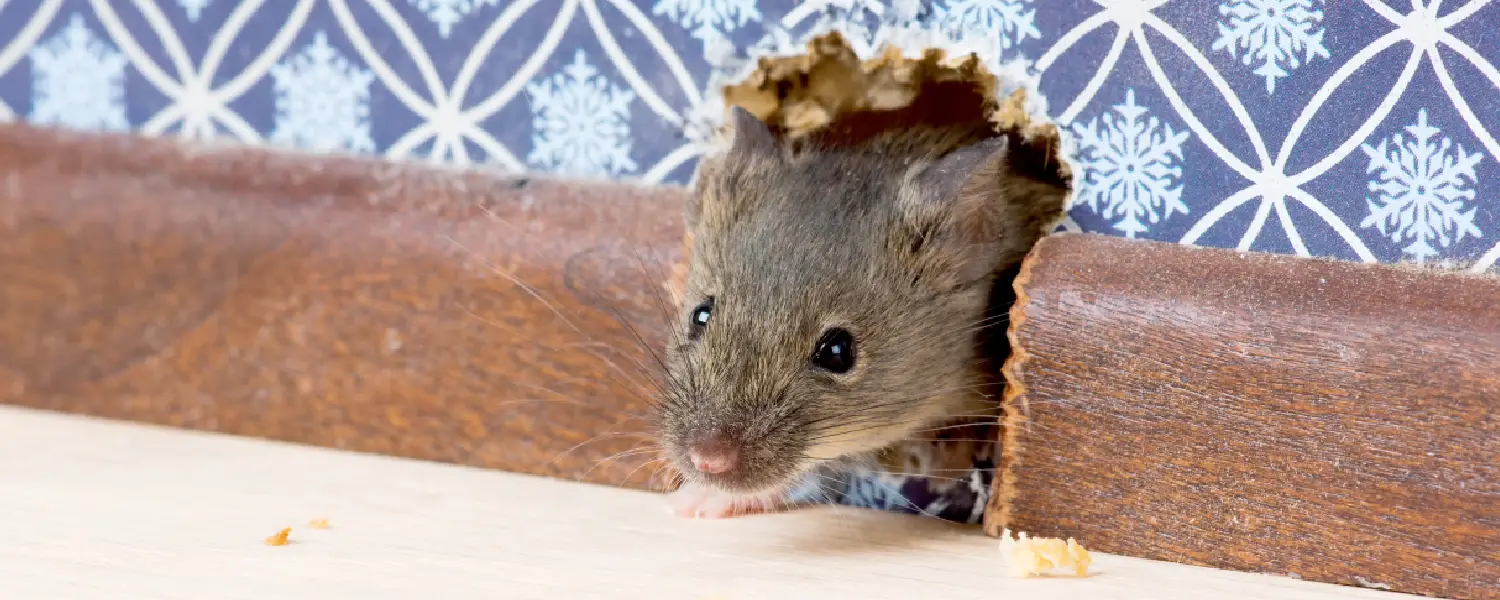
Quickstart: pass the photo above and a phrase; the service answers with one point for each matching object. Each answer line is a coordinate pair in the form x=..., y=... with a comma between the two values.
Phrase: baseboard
x=339, y=302
x=1327, y=420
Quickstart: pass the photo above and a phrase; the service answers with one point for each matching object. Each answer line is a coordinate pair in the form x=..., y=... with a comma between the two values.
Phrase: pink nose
x=714, y=456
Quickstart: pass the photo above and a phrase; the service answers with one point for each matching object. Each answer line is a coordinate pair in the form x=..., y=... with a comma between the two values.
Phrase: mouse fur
x=897, y=240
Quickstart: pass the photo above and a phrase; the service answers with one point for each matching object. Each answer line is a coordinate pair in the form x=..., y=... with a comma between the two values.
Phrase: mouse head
x=832, y=302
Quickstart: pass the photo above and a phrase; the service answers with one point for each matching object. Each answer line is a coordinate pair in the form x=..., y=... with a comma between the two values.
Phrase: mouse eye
x=835, y=351
x=698, y=319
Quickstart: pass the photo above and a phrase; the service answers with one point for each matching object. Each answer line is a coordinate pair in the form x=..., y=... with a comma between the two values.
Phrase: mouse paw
x=695, y=501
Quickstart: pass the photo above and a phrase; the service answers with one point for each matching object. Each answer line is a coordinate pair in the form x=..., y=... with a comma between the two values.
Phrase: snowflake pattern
x=1420, y=189
x=1272, y=32
x=709, y=20
x=322, y=100
x=78, y=81
x=858, y=20
x=960, y=26
x=1006, y=22
x=447, y=13
x=1132, y=167
x=580, y=122
x=194, y=8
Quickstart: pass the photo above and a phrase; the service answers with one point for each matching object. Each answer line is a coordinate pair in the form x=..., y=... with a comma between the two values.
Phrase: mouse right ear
x=972, y=212
x=953, y=208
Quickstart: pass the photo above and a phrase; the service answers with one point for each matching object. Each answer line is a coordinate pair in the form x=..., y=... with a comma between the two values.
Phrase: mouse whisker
x=901, y=497
x=645, y=383
x=924, y=476
x=585, y=345
x=954, y=440
x=618, y=455
x=525, y=287
x=563, y=399
x=987, y=423
x=600, y=437
x=644, y=345
x=643, y=464
x=975, y=326
x=873, y=411
x=656, y=294
x=963, y=470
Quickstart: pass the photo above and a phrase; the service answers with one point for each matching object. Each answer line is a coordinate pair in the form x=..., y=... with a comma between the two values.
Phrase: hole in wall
x=831, y=97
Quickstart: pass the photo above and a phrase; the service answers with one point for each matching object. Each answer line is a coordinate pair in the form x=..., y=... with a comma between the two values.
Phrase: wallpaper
x=1361, y=130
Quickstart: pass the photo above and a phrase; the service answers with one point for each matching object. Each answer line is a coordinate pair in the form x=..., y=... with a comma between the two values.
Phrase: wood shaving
x=280, y=539
x=1030, y=557
x=820, y=89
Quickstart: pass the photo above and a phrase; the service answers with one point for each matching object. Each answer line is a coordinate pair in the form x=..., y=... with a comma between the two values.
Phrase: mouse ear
x=954, y=212
x=752, y=143
x=945, y=180
x=751, y=135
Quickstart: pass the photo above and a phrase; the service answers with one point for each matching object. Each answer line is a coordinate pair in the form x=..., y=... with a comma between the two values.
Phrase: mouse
x=835, y=307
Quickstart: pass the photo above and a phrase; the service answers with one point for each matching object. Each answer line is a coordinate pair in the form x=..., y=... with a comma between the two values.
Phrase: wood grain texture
x=93, y=509
x=1257, y=412
x=338, y=302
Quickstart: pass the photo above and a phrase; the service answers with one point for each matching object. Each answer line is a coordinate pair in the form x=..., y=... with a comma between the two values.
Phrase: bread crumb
x=1029, y=556
x=318, y=524
x=280, y=538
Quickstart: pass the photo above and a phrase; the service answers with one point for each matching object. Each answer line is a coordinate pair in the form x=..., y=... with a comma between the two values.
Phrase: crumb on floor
x=318, y=524
x=280, y=539
x=1029, y=556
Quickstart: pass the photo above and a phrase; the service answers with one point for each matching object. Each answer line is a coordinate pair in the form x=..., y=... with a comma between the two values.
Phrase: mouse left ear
x=954, y=212
x=751, y=135
x=753, y=151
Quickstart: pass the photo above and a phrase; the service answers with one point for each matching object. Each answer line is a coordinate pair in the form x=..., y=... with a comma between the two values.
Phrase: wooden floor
x=96, y=510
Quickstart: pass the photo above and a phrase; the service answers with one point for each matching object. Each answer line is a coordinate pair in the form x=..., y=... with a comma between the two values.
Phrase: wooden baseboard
x=1336, y=421
x=346, y=303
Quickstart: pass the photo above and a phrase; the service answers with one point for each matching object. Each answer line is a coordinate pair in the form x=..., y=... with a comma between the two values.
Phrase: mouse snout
x=714, y=455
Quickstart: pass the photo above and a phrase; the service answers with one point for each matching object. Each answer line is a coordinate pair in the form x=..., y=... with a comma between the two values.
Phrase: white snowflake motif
x=1132, y=166
x=580, y=122
x=1420, y=189
x=322, y=100
x=194, y=8
x=1272, y=32
x=857, y=20
x=447, y=13
x=1005, y=22
x=78, y=81
x=709, y=20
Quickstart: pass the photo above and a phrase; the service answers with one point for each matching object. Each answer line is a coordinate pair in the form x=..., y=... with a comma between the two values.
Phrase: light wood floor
x=99, y=510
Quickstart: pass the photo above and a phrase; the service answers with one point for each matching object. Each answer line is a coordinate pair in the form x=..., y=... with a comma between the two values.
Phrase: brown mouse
x=834, y=304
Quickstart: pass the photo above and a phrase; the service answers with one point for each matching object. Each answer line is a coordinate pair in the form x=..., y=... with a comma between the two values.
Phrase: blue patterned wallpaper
x=1363, y=130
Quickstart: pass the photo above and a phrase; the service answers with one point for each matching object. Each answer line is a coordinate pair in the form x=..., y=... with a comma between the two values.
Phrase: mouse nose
x=715, y=455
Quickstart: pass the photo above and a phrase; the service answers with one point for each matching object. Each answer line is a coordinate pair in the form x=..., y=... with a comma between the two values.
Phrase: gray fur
x=897, y=241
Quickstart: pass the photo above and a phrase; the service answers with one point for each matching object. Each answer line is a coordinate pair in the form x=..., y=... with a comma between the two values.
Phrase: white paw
x=696, y=501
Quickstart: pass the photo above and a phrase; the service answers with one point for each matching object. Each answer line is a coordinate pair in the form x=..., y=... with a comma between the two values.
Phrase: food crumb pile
x=1029, y=556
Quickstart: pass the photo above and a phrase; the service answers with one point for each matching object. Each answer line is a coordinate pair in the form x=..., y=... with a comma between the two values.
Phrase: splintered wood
x=828, y=91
